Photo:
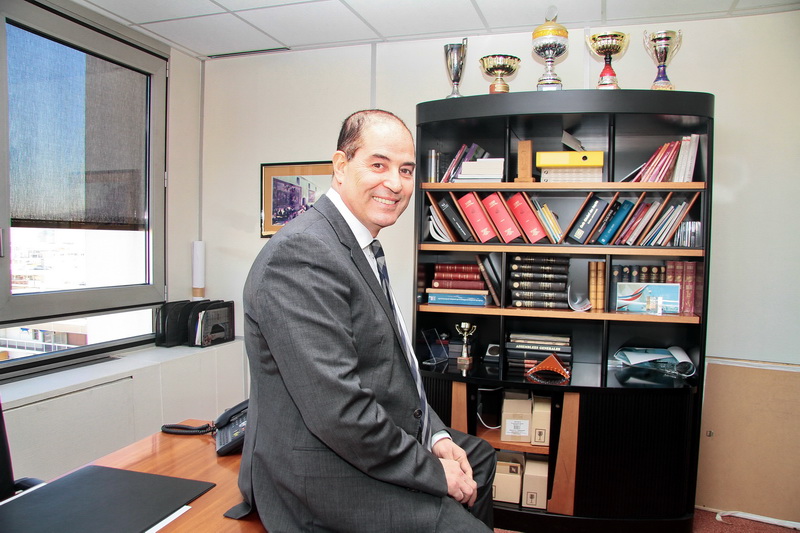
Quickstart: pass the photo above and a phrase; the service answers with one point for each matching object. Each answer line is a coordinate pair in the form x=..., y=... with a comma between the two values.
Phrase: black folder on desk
x=100, y=499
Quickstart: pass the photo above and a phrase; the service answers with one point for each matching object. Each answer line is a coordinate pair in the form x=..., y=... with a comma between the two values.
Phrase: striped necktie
x=411, y=359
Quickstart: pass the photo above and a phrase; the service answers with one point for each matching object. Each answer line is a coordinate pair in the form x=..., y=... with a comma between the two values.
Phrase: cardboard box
x=515, y=425
x=534, y=484
x=540, y=421
x=507, y=485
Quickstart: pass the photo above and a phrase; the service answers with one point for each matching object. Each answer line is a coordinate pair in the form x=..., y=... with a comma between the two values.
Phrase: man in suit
x=337, y=428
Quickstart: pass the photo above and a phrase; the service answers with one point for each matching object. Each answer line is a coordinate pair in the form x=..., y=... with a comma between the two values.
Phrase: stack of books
x=458, y=284
x=584, y=166
x=538, y=282
x=484, y=169
x=526, y=350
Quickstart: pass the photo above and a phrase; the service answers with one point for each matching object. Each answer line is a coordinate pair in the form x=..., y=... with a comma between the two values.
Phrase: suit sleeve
x=307, y=314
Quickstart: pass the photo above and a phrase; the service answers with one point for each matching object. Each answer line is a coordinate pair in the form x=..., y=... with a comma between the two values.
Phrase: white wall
x=287, y=107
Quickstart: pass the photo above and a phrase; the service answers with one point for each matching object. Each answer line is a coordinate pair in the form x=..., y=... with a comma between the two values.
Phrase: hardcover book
x=452, y=215
x=587, y=220
x=503, y=221
x=615, y=222
x=527, y=219
x=473, y=209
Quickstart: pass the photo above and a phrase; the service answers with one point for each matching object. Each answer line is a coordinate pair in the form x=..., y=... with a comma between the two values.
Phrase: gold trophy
x=465, y=329
x=662, y=45
x=550, y=41
x=499, y=65
x=608, y=44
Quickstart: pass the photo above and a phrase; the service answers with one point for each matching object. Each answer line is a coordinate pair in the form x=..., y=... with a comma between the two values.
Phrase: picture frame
x=288, y=189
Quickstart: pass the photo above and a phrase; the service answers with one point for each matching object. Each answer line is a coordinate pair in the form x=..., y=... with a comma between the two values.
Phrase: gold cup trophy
x=606, y=45
x=499, y=65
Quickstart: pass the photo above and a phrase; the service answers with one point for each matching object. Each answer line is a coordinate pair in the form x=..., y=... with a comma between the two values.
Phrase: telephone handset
x=231, y=425
x=228, y=429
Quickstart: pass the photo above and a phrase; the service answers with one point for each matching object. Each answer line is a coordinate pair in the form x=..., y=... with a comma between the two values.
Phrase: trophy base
x=498, y=87
x=661, y=86
x=549, y=87
x=608, y=82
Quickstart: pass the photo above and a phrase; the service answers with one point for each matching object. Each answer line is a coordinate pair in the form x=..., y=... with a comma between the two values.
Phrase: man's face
x=377, y=183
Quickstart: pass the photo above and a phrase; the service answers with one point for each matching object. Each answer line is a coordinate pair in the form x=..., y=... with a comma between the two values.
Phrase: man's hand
x=457, y=470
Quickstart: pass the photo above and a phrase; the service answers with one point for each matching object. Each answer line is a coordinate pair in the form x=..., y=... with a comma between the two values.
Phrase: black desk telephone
x=228, y=429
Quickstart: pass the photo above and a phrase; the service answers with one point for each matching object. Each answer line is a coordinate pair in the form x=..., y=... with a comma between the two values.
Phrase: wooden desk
x=191, y=457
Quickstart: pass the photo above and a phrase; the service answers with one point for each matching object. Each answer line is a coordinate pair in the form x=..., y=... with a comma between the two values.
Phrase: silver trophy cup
x=662, y=46
x=454, y=55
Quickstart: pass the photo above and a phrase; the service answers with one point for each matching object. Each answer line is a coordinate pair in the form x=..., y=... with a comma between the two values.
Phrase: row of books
x=525, y=351
x=538, y=282
x=523, y=219
x=672, y=161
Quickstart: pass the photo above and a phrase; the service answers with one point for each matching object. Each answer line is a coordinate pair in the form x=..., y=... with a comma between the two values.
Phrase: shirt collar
x=362, y=234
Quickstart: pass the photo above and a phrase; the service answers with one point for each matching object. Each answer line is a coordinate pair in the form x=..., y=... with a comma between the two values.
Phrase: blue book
x=615, y=223
x=458, y=299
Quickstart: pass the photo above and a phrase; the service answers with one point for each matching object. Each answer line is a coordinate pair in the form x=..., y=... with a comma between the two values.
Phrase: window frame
x=74, y=26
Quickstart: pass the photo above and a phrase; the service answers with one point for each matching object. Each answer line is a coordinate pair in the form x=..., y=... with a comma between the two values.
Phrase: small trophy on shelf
x=465, y=329
x=454, y=55
x=499, y=65
x=550, y=41
x=662, y=45
x=607, y=45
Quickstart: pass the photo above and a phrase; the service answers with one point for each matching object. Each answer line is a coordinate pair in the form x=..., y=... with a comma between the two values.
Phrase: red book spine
x=473, y=210
x=687, y=288
x=501, y=217
x=456, y=267
x=463, y=276
x=527, y=219
x=457, y=284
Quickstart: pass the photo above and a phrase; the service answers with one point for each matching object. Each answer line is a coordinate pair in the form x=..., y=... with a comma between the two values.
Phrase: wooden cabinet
x=623, y=451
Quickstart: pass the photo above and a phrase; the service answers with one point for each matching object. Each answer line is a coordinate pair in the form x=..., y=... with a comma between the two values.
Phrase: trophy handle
x=678, y=41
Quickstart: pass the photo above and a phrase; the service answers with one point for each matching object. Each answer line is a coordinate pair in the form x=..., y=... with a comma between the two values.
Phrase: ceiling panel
x=309, y=24
x=412, y=17
x=213, y=34
x=655, y=9
x=530, y=13
x=152, y=10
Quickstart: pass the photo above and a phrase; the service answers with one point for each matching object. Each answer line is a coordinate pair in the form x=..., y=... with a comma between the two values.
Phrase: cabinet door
x=635, y=455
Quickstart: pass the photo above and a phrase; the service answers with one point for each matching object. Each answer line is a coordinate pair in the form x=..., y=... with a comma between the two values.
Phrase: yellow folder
x=569, y=159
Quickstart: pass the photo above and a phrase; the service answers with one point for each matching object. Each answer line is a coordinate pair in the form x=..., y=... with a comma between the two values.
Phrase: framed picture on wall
x=288, y=189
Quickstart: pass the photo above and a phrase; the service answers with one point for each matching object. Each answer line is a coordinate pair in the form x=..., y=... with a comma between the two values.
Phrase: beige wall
x=287, y=107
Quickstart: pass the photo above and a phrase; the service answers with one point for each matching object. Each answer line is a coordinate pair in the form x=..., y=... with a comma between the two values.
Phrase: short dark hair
x=353, y=128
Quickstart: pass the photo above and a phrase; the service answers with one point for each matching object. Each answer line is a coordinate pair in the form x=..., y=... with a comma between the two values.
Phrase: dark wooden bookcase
x=623, y=452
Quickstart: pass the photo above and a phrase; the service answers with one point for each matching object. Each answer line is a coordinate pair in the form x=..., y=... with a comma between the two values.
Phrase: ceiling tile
x=530, y=13
x=309, y=24
x=214, y=34
x=236, y=5
x=413, y=17
x=152, y=10
x=764, y=4
x=655, y=9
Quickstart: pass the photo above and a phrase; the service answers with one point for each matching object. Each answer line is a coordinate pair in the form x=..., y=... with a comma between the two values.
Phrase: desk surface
x=191, y=457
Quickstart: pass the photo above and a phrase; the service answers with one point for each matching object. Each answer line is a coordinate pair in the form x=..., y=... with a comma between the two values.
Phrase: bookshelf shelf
x=605, y=422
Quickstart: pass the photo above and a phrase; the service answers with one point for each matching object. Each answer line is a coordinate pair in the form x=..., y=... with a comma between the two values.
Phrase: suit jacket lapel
x=348, y=240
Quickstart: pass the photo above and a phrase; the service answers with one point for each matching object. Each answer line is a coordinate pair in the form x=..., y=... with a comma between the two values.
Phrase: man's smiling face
x=377, y=183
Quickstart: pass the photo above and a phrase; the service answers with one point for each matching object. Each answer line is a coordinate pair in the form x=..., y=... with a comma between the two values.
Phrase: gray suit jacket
x=331, y=437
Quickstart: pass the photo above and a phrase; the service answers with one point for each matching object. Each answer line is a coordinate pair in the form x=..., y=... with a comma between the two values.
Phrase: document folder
x=100, y=499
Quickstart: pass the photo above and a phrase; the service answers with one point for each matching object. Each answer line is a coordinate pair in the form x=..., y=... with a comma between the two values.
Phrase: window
x=82, y=158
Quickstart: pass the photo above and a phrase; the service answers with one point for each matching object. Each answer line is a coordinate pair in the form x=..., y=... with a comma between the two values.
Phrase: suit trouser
x=482, y=458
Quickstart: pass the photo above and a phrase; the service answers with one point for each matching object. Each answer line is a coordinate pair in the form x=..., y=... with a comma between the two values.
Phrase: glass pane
x=45, y=260
x=59, y=335
x=77, y=167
